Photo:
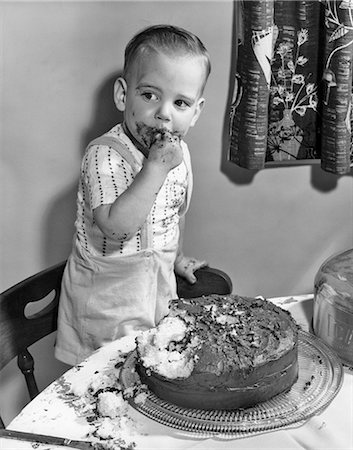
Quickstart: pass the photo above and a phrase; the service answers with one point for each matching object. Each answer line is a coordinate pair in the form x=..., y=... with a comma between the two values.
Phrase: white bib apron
x=104, y=298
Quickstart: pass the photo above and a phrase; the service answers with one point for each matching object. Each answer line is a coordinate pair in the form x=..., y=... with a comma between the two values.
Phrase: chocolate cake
x=219, y=352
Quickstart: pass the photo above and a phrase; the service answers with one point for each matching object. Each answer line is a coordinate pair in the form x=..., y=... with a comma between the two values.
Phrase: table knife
x=44, y=439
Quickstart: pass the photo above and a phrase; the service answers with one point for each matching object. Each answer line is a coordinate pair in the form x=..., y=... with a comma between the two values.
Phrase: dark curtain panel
x=293, y=91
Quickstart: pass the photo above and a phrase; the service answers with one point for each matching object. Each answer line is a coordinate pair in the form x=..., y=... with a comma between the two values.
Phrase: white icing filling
x=157, y=356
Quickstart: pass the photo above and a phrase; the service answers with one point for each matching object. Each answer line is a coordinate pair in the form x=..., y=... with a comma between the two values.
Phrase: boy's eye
x=182, y=104
x=149, y=96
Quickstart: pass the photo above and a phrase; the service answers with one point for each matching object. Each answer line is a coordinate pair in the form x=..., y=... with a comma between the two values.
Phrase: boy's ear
x=120, y=88
x=199, y=108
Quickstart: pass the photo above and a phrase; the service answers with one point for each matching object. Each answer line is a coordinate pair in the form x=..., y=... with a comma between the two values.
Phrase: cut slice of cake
x=219, y=352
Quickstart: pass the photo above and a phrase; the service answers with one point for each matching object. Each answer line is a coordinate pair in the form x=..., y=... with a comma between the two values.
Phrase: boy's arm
x=123, y=218
x=185, y=266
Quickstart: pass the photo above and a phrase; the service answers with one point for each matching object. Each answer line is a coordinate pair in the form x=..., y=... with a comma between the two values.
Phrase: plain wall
x=269, y=230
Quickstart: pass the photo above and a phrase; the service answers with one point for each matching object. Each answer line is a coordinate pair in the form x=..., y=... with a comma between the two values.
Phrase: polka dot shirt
x=105, y=175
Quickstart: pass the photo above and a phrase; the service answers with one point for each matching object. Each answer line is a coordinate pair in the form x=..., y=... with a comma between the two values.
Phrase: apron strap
x=187, y=162
x=124, y=152
x=119, y=147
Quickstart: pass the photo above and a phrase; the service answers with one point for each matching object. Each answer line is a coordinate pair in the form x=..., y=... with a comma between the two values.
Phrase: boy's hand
x=186, y=267
x=166, y=150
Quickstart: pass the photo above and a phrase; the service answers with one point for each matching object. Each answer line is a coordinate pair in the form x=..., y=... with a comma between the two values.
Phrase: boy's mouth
x=149, y=135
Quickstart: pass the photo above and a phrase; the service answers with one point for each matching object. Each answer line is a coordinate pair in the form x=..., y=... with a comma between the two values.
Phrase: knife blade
x=45, y=439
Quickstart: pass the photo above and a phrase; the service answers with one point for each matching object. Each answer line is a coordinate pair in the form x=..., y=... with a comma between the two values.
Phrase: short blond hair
x=168, y=39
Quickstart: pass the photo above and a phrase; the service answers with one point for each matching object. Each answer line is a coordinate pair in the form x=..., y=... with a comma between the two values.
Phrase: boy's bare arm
x=124, y=217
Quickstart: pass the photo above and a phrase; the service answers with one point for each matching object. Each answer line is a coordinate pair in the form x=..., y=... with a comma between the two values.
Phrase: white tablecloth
x=63, y=410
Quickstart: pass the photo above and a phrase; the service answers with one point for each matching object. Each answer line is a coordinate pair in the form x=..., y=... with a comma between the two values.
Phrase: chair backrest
x=209, y=281
x=19, y=330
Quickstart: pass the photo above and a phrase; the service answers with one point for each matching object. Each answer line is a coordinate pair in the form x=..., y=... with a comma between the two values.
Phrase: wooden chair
x=209, y=281
x=18, y=330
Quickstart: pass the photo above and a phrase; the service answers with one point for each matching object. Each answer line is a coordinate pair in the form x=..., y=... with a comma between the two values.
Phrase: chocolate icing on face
x=153, y=135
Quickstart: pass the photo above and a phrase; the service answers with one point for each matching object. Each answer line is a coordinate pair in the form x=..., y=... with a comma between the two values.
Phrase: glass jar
x=333, y=305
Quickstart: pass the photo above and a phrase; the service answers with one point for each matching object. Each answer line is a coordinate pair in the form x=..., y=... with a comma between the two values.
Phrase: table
x=66, y=407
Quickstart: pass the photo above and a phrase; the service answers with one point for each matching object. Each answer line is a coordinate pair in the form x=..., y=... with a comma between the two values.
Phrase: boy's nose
x=163, y=113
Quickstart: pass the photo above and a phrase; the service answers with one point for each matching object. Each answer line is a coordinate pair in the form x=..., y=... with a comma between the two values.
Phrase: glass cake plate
x=319, y=380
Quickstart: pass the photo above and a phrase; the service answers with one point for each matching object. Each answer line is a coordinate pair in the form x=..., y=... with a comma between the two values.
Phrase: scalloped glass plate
x=319, y=380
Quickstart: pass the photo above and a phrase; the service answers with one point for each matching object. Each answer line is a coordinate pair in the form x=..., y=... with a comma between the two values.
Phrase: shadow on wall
x=105, y=114
x=320, y=180
x=59, y=225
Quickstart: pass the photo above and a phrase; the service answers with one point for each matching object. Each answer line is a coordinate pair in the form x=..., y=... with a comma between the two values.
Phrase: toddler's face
x=163, y=92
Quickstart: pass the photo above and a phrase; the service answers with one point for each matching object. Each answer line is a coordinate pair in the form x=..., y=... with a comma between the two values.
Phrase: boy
x=134, y=190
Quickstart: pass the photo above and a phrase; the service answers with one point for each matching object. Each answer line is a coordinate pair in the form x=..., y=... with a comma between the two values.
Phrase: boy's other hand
x=186, y=267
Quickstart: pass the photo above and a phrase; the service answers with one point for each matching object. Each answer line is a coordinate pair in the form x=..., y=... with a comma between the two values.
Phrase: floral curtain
x=293, y=91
